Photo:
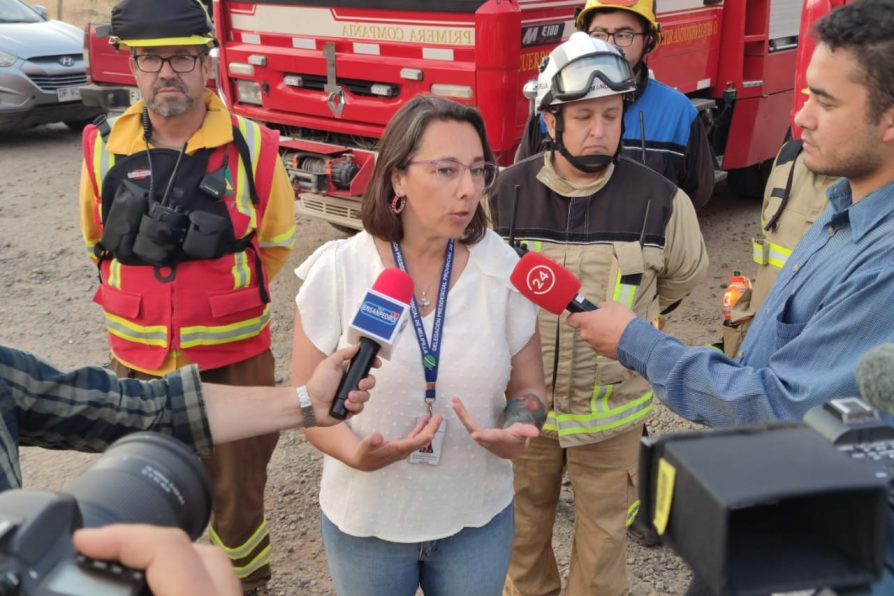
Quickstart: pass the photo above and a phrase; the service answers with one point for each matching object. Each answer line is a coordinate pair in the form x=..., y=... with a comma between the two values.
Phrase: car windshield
x=13, y=11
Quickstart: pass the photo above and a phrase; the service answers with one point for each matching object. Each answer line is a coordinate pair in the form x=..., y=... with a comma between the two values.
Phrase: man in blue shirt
x=662, y=129
x=829, y=303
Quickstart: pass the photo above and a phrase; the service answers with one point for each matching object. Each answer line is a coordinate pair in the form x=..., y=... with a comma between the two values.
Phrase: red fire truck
x=330, y=74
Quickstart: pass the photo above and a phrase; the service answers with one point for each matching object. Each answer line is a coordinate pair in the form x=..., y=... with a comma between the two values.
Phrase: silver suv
x=41, y=69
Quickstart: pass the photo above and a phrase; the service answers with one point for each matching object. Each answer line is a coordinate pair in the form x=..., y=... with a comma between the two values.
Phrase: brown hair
x=398, y=145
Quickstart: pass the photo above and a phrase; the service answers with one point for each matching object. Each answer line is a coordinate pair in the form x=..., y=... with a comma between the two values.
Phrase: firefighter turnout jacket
x=633, y=237
x=212, y=309
x=793, y=200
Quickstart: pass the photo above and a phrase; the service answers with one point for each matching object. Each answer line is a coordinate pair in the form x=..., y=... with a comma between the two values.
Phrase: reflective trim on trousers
x=631, y=512
x=243, y=550
x=210, y=335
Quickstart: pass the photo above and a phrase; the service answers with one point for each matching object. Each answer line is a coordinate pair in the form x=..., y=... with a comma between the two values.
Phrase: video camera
x=776, y=507
x=144, y=478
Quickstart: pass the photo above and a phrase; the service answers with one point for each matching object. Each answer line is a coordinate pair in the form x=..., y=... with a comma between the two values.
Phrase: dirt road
x=46, y=285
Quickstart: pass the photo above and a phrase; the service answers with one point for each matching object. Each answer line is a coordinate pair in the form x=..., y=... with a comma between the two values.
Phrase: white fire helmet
x=582, y=68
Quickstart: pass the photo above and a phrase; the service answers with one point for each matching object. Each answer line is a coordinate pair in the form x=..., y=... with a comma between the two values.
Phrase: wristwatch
x=307, y=406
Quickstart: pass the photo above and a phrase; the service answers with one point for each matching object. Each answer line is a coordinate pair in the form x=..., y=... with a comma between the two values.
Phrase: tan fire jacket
x=632, y=237
x=783, y=222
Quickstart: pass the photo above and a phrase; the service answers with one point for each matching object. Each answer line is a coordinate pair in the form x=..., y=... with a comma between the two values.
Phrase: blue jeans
x=472, y=562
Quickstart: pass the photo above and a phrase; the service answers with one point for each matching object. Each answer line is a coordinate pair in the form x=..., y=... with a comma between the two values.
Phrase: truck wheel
x=749, y=183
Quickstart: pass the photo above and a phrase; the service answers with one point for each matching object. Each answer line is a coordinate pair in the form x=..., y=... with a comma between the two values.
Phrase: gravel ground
x=46, y=285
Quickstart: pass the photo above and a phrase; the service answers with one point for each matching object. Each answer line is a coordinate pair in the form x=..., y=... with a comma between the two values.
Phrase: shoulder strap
x=245, y=156
x=790, y=152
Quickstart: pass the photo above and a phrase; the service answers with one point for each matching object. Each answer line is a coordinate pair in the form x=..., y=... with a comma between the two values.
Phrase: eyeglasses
x=622, y=38
x=449, y=171
x=180, y=63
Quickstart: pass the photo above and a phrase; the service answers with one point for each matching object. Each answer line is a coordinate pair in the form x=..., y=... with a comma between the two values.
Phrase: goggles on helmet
x=579, y=77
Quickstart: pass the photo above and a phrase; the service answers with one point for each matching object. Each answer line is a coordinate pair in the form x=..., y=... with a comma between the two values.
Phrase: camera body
x=143, y=478
x=775, y=507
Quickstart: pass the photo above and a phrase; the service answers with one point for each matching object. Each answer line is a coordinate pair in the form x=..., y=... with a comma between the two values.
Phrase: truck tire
x=749, y=183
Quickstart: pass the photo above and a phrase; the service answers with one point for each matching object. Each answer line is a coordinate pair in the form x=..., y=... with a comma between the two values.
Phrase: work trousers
x=238, y=472
x=603, y=477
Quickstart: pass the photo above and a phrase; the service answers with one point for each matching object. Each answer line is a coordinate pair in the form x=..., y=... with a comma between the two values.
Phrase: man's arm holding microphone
x=814, y=364
x=703, y=385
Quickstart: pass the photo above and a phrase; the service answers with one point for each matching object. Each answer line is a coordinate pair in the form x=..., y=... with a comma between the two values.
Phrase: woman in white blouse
x=418, y=491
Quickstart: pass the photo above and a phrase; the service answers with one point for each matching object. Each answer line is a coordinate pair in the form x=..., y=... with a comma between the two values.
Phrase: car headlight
x=7, y=59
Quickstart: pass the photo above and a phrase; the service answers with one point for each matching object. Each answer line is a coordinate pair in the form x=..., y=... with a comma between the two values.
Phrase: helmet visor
x=591, y=72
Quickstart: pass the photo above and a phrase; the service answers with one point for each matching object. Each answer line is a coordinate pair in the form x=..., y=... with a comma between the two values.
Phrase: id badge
x=431, y=453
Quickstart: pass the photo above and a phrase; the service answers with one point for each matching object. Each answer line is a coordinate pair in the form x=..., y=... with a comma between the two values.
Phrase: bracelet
x=526, y=409
x=307, y=407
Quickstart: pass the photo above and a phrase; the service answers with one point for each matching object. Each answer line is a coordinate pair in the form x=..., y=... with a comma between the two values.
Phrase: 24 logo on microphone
x=540, y=280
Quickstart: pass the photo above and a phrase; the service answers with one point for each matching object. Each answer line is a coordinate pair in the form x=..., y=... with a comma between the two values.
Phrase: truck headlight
x=248, y=92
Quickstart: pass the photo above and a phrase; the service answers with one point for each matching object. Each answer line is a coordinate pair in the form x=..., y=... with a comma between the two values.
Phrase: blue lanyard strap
x=430, y=352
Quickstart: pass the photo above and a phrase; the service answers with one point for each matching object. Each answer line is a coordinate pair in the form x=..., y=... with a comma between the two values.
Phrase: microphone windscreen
x=875, y=377
x=544, y=282
x=396, y=284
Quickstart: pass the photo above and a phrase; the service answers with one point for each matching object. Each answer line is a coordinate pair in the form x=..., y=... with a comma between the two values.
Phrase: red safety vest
x=213, y=311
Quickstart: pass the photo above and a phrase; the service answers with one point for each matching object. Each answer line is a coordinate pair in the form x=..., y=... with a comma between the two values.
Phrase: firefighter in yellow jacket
x=793, y=199
x=188, y=212
x=630, y=235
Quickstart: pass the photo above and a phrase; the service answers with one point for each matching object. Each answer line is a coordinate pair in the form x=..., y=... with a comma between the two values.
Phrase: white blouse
x=486, y=322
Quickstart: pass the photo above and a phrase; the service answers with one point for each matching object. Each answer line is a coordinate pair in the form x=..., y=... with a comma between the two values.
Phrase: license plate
x=134, y=96
x=68, y=93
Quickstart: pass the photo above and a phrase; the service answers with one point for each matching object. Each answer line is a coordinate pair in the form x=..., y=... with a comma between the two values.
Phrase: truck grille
x=355, y=86
x=53, y=82
x=344, y=212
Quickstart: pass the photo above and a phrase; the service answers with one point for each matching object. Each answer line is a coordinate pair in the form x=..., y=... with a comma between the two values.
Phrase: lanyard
x=431, y=352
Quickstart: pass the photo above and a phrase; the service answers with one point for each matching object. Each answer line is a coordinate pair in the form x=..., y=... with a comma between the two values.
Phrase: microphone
x=548, y=285
x=875, y=378
x=382, y=315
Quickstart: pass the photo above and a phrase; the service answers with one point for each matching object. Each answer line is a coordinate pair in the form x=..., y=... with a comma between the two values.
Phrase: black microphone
x=875, y=377
x=548, y=285
x=382, y=315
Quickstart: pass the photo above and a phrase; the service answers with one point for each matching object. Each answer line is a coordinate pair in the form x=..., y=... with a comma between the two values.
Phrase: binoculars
x=143, y=231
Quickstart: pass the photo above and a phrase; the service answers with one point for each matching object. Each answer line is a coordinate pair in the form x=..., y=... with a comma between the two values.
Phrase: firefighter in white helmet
x=662, y=127
x=628, y=234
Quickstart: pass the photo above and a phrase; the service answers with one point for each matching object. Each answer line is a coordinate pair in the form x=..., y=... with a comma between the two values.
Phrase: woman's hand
x=374, y=452
x=502, y=442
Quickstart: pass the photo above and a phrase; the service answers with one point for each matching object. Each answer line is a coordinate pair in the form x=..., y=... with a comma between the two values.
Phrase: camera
x=776, y=507
x=145, y=478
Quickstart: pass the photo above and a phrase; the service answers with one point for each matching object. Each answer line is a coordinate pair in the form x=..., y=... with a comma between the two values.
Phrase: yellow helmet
x=139, y=23
x=641, y=8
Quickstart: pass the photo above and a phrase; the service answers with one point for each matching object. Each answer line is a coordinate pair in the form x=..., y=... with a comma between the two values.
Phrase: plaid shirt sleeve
x=89, y=408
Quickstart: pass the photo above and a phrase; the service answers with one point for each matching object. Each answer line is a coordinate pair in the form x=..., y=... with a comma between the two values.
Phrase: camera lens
x=145, y=478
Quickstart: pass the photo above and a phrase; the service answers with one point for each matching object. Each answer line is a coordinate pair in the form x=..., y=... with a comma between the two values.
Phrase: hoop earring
x=397, y=204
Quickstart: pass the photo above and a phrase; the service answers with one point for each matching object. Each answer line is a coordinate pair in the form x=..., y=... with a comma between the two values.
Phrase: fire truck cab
x=330, y=74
